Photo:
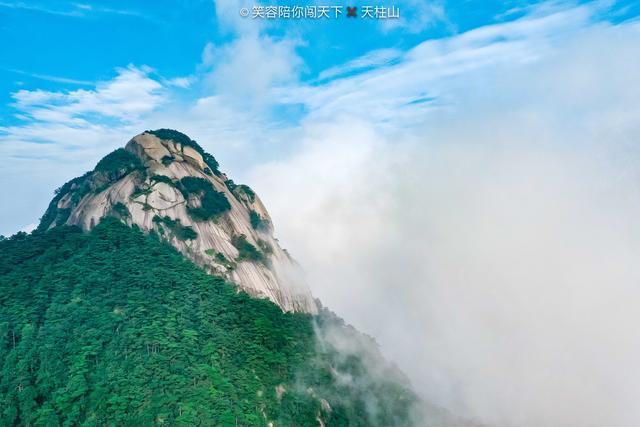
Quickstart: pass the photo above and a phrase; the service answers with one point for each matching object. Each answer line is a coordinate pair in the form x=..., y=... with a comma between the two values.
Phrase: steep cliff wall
x=164, y=182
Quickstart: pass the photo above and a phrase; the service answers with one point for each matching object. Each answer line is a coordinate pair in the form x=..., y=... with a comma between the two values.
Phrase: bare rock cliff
x=164, y=182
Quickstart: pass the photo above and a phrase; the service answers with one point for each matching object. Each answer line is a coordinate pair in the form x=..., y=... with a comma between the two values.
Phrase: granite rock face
x=148, y=190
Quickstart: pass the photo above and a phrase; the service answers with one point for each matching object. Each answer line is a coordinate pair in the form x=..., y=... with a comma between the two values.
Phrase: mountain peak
x=165, y=183
x=169, y=144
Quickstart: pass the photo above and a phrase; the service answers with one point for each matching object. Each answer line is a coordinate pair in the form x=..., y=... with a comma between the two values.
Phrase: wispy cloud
x=181, y=82
x=100, y=9
x=374, y=59
x=59, y=127
x=130, y=94
x=417, y=16
x=77, y=10
x=46, y=77
x=388, y=87
x=491, y=246
x=392, y=92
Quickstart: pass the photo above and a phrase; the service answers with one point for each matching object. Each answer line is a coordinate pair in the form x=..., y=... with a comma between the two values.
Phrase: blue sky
x=79, y=78
x=52, y=44
x=87, y=41
x=462, y=181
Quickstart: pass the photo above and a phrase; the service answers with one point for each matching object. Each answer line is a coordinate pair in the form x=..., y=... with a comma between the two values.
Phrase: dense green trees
x=240, y=189
x=181, y=138
x=119, y=161
x=257, y=222
x=212, y=202
x=175, y=227
x=116, y=328
x=246, y=251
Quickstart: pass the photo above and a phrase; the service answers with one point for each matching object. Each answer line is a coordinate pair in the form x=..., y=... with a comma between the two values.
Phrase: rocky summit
x=163, y=182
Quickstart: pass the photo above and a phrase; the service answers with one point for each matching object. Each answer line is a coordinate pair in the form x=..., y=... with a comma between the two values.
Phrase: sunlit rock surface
x=277, y=277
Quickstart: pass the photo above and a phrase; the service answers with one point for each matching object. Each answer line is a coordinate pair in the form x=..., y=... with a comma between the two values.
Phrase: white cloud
x=62, y=117
x=398, y=93
x=375, y=58
x=495, y=264
x=492, y=245
x=181, y=82
x=65, y=133
x=229, y=19
x=56, y=79
x=129, y=95
x=416, y=16
x=75, y=10
x=249, y=67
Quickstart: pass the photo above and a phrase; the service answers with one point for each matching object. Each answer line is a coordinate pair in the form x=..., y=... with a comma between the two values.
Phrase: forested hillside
x=114, y=327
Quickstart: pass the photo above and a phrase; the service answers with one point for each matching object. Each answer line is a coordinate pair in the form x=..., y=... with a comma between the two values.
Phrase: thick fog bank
x=493, y=249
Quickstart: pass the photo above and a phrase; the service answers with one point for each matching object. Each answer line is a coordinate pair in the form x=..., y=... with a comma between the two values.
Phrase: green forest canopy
x=116, y=328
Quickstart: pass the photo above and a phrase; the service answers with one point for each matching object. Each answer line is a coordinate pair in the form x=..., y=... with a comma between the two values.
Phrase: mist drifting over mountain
x=461, y=185
x=492, y=250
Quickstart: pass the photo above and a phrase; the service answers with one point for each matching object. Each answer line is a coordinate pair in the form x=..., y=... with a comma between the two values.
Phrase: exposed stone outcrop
x=152, y=198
